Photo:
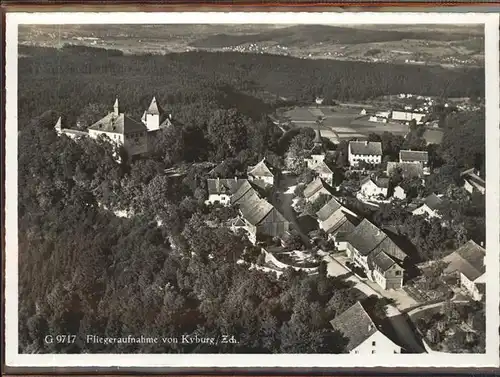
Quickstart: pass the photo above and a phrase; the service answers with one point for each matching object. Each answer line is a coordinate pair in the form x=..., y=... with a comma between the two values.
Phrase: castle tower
x=116, y=109
x=152, y=116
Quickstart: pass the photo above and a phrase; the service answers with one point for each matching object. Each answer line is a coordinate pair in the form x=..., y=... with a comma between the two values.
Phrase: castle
x=133, y=135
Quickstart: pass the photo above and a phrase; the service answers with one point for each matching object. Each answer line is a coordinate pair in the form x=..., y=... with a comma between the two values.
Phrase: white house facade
x=369, y=152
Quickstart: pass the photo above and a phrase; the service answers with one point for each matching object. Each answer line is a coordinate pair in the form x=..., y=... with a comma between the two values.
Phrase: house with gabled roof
x=430, y=207
x=468, y=263
x=316, y=188
x=220, y=190
x=364, y=336
x=245, y=191
x=374, y=187
x=262, y=219
x=415, y=157
x=262, y=172
x=369, y=152
x=337, y=221
x=473, y=182
x=374, y=251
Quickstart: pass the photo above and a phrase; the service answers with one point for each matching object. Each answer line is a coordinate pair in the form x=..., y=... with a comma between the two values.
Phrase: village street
x=283, y=201
x=398, y=322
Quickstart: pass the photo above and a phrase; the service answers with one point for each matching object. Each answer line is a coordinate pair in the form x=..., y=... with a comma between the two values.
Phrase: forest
x=83, y=270
x=252, y=83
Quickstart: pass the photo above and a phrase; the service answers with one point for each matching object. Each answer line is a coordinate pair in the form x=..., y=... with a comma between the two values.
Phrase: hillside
x=446, y=45
x=311, y=34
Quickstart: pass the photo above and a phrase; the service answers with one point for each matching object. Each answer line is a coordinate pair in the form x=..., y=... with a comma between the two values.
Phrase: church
x=135, y=136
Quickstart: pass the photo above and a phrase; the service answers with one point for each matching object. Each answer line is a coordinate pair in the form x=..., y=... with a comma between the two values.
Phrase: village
x=309, y=213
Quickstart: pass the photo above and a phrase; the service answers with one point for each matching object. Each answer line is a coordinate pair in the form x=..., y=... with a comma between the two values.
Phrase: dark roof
x=408, y=155
x=316, y=185
x=433, y=201
x=473, y=178
x=228, y=186
x=356, y=324
x=467, y=259
x=255, y=209
x=366, y=147
x=244, y=189
x=379, y=182
x=262, y=169
x=368, y=239
x=382, y=260
x=119, y=124
x=408, y=169
x=328, y=209
x=339, y=222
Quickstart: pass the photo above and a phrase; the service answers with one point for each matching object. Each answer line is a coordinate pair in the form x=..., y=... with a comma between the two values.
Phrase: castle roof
x=118, y=124
x=154, y=108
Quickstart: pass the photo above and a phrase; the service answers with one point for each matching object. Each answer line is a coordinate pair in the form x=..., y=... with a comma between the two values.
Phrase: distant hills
x=314, y=34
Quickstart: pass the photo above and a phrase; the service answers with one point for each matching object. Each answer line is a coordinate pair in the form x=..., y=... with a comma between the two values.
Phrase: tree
x=91, y=114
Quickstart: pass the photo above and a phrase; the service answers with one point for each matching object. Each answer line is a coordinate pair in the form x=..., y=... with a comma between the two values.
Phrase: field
x=341, y=123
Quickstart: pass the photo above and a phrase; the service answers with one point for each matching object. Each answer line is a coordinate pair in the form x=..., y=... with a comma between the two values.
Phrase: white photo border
x=489, y=359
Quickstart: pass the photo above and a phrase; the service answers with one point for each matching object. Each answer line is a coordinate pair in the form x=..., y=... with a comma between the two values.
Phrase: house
x=317, y=188
x=73, y=134
x=245, y=191
x=374, y=187
x=365, y=338
x=472, y=181
x=262, y=219
x=122, y=130
x=399, y=193
x=420, y=157
x=337, y=221
x=221, y=190
x=262, y=172
x=362, y=112
x=324, y=172
x=368, y=151
x=405, y=169
x=408, y=116
x=374, y=118
x=468, y=263
x=383, y=114
x=374, y=251
x=430, y=207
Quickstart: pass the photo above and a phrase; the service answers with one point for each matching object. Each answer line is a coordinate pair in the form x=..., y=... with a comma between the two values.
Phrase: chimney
x=170, y=116
x=482, y=243
x=366, y=142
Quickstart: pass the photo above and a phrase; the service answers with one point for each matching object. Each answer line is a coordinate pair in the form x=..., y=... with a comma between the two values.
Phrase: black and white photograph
x=290, y=192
